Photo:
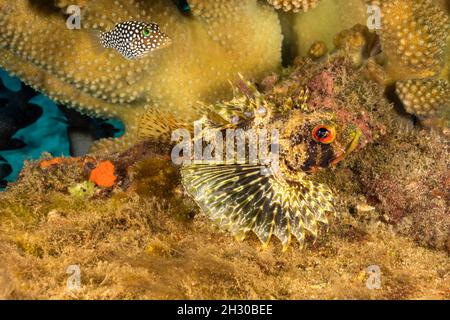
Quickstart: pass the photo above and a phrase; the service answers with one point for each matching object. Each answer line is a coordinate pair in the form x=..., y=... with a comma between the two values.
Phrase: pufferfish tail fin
x=97, y=43
x=155, y=124
x=240, y=198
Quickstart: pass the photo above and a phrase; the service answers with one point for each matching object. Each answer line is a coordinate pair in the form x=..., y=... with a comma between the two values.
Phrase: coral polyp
x=415, y=41
x=294, y=5
x=429, y=99
x=414, y=37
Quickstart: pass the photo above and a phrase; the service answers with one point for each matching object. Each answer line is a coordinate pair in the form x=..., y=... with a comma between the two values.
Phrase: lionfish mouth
x=349, y=147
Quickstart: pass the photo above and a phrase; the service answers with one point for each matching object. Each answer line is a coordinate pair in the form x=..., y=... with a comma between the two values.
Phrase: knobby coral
x=324, y=22
x=294, y=5
x=210, y=47
x=416, y=56
x=428, y=99
x=414, y=38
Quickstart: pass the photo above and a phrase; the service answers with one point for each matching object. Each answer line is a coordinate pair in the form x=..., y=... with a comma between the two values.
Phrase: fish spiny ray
x=241, y=199
x=157, y=124
x=286, y=201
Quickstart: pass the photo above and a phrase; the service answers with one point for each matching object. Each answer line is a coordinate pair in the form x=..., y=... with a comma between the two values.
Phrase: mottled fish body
x=242, y=195
x=135, y=39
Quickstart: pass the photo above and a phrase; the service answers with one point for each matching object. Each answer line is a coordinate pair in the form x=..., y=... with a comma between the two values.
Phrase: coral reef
x=294, y=5
x=429, y=99
x=330, y=96
x=402, y=171
x=308, y=27
x=125, y=218
x=103, y=84
x=209, y=48
x=142, y=247
x=143, y=238
x=406, y=176
x=415, y=39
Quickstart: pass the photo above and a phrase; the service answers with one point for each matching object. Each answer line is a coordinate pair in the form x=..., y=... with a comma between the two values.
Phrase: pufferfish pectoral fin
x=239, y=198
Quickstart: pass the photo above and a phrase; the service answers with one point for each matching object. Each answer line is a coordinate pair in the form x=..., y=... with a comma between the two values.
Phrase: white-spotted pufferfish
x=135, y=39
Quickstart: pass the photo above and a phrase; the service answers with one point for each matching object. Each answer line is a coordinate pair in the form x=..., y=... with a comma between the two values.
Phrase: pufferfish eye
x=324, y=134
x=146, y=32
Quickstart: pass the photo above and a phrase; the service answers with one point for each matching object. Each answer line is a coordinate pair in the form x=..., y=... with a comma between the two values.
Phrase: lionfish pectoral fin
x=239, y=198
x=159, y=125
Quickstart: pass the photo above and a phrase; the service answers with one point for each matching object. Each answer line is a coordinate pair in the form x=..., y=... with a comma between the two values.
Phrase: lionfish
x=240, y=194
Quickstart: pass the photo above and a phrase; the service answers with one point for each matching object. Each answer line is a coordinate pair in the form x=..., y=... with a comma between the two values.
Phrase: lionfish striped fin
x=239, y=198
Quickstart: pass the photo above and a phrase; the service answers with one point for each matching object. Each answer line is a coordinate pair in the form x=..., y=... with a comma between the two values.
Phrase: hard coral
x=215, y=43
x=324, y=22
x=429, y=99
x=294, y=5
x=318, y=49
x=357, y=42
x=414, y=37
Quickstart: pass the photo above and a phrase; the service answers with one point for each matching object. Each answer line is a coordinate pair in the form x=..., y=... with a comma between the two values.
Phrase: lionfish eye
x=324, y=134
x=146, y=32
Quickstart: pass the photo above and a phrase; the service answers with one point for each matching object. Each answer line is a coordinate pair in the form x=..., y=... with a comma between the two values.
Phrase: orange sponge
x=104, y=174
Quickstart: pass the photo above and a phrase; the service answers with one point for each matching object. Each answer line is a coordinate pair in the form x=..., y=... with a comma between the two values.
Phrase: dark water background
x=31, y=124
